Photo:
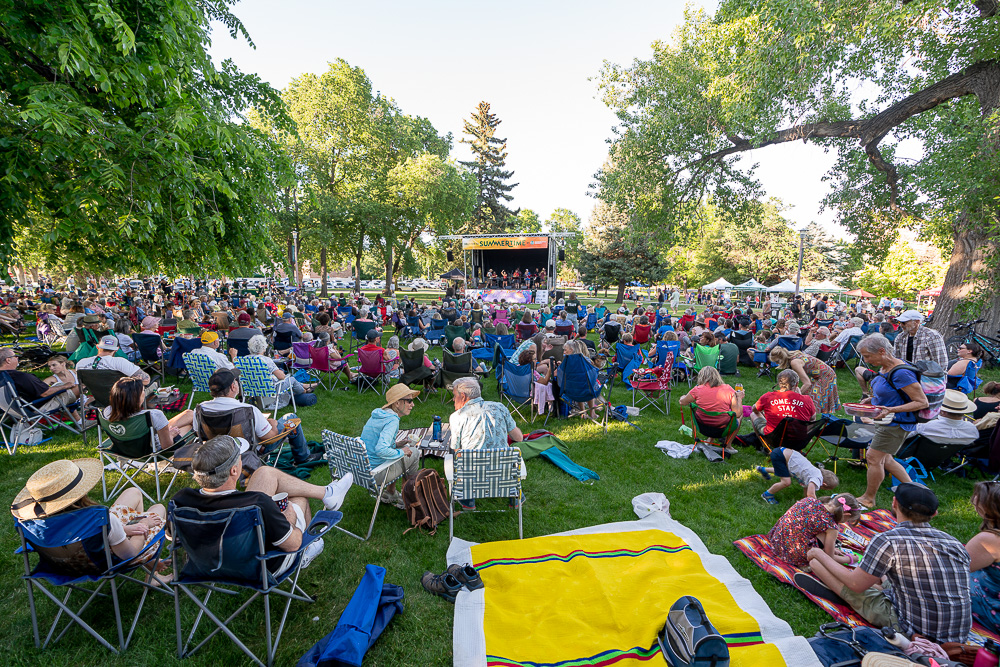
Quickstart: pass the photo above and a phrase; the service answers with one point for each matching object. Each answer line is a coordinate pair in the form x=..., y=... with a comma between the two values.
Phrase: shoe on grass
x=817, y=588
x=763, y=472
x=467, y=575
x=443, y=585
x=769, y=498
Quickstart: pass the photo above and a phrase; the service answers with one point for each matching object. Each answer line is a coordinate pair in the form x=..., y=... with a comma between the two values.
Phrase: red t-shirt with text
x=776, y=405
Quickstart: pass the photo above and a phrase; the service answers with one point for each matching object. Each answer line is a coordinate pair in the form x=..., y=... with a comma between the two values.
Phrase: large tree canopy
x=856, y=76
x=121, y=145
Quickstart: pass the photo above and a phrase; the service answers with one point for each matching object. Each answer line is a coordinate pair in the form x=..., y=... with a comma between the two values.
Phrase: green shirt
x=572, y=306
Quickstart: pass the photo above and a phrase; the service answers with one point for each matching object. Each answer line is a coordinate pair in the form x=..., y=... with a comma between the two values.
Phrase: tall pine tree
x=490, y=153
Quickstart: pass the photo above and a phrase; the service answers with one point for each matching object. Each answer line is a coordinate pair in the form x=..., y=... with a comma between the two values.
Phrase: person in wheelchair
x=217, y=467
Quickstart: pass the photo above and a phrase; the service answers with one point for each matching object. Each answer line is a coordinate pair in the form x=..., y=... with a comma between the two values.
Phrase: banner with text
x=506, y=243
x=509, y=295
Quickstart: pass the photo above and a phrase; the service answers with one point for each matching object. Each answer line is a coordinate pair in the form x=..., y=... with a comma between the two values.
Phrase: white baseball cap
x=909, y=315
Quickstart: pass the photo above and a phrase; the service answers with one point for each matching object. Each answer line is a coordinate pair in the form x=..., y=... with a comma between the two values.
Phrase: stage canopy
x=750, y=286
x=783, y=286
x=860, y=293
x=454, y=274
x=721, y=283
x=825, y=286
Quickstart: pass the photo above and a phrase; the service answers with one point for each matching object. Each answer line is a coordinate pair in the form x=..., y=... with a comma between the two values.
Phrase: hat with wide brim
x=55, y=487
x=886, y=660
x=956, y=402
x=398, y=392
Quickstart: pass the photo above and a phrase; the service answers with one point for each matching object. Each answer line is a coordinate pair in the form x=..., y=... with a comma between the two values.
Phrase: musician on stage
x=527, y=278
x=504, y=281
x=541, y=278
x=491, y=278
x=517, y=278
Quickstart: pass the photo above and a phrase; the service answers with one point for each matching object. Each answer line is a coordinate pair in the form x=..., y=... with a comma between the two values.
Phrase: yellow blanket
x=600, y=600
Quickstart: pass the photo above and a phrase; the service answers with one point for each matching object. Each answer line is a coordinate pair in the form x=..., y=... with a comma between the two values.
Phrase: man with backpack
x=918, y=343
x=897, y=390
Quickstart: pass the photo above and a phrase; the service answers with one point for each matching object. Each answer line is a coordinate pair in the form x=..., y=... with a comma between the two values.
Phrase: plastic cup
x=281, y=500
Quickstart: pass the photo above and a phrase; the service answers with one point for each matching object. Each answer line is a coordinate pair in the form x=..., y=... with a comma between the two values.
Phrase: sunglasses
x=407, y=400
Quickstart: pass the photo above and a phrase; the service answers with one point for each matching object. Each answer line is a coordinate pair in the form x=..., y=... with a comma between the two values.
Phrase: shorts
x=779, y=463
x=888, y=439
x=300, y=523
x=873, y=605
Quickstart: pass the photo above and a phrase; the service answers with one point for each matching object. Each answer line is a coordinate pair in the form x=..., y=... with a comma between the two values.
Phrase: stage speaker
x=451, y=256
x=562, y=255
x=560, y=294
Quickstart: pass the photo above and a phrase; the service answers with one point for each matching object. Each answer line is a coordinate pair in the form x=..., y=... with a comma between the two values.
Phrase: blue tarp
x=559, y=459
x=372, y=606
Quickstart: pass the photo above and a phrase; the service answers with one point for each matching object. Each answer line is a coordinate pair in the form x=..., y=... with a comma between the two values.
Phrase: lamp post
x=798, y=274
x=295, y=255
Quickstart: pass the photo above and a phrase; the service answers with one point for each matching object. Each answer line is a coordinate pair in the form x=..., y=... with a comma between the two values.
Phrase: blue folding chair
x=627, y=359
x=970, y=381
x=256, y=381
x=178, y=348
x=75, y=555
x=225, y=548
x=517, y=383
x=346, y=314
x=435, y=332
x=591, y=321
x=488, y=352
x=579, y=382
x=850, y=351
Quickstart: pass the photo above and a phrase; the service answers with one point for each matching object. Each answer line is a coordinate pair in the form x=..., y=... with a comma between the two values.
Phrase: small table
x=438, y=448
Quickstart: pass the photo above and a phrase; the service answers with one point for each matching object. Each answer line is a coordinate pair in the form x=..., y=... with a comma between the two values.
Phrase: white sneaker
x=337, y=491
x=314, y=549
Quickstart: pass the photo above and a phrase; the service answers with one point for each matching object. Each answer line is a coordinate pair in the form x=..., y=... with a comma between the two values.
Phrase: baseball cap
x=551, y=324
x=286, y=315
x=910, y=315
x=221, y=380
x=108, y=343
x=208, y=337
x=244, y=318
x=372, y=335
x=916, y=498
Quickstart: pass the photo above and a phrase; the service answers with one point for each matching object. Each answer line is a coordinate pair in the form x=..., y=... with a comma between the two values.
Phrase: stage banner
x=510, y=295
x=542, y=296
x=506, y=243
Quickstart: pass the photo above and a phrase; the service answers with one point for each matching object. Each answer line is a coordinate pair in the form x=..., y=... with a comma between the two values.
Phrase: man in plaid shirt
x=918, y=343
x=924, y=574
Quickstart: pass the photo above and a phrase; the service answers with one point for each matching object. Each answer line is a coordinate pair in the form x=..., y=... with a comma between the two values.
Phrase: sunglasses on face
x=408, y=400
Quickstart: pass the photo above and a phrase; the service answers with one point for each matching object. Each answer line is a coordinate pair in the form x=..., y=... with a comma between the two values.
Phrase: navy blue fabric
x=518, y=381
x=578, y=381
x=366, y=616
x=180, y=346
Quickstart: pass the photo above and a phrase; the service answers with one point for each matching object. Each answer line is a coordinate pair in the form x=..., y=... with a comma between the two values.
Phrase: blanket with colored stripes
x=598, y=597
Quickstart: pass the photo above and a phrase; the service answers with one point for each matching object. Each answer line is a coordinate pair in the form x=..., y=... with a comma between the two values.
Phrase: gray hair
x=212, y=456
x=788, y=378
x=257, y=345
x=857, y=321
x=467, y=387
x=875, y=342
x=458, y=343
x=324, y=338
x=6, y=353
x=393, y=343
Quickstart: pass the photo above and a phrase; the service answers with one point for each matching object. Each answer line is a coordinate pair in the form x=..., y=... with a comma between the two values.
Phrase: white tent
x=750, y=286
x=721, y=283
x=783, y=286
x=825, y=286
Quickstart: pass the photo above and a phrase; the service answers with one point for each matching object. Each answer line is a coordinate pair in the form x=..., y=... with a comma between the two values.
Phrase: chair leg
x=451, y=515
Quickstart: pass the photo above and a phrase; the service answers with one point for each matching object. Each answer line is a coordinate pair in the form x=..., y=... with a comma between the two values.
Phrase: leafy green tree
x=488, y=164
x=526, y=222
x=121, y=143
x=900, y=274
x=775, y=71
x=615, y=255
x=565, y=220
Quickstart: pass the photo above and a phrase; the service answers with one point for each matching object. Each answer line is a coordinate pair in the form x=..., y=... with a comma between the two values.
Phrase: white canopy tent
x=783, y=286
x=721, y=283
x=750, y=286
x=825, y=286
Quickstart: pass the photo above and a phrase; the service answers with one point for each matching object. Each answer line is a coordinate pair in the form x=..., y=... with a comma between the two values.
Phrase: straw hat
x=56, y=486
x=885, y=660
x=956, y=402
x=398, y=392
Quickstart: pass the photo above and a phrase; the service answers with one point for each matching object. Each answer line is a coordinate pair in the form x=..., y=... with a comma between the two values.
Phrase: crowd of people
x=803, y=342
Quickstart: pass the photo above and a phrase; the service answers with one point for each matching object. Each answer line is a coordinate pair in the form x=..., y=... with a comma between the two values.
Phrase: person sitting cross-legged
x=217, y=466
x=913, y=578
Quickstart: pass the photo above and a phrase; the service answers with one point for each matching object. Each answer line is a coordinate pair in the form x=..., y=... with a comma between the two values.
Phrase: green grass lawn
x=720, y=501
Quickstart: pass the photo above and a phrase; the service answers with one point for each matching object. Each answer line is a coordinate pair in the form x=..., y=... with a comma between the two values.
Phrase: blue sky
x=534, y=62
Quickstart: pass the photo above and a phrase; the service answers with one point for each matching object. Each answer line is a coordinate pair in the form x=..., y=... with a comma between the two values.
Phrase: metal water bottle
x=436, y=429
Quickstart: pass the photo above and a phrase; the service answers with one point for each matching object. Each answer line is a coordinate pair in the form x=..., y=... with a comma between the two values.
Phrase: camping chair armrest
x=292, y=423
x=321, y=524
x=45, y=399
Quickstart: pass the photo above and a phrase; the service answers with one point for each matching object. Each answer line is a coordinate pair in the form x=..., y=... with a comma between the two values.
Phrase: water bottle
x=988, y=655
x=436, y=429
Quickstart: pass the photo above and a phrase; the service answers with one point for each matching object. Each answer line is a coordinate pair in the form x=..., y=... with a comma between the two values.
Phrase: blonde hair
x=709, y=375
x=781, y=357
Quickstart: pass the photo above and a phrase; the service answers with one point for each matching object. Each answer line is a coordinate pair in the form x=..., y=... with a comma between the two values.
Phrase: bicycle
x=991, y=346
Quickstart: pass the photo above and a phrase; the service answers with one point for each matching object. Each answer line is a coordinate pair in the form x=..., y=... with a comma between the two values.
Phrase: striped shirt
x=928, y=570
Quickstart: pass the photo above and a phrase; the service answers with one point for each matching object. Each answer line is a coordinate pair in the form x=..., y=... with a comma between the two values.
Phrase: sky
x=536, y=63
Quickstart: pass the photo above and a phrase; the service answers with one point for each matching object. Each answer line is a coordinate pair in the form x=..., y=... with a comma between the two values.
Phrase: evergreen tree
x=490, y=153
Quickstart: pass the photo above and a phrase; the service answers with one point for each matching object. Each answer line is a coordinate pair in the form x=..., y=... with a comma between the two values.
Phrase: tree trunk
x=621, y=292
x=357, y=275
x=323, y=271
x=967, y=261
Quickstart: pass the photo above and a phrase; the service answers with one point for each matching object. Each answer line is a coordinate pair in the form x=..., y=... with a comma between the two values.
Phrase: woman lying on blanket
x=813, y=522
x=984, y=551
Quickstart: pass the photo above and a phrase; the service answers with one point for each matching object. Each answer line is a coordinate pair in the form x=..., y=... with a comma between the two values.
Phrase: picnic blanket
x=599, y=595
x=758, y=549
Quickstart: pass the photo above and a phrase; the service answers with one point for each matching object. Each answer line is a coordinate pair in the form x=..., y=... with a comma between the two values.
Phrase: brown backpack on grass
x=426, y=500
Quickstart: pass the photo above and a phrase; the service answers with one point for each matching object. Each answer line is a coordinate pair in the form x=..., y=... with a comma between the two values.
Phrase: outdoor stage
x=495, y=295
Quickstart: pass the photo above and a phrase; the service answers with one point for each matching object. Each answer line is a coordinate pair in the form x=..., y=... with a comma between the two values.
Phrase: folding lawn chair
x=373, y=372
x=415, y=372
x=151, y=353
x=133, y=445
x=19, y=416
x=565, y=330
x=323, y=370
x=486, y=473
x=257, y=382
x=453, y=331
x=827, y=352
x=435, y=332
x=642, y=334
x=852, y=436
x=215, y=550
x=650, y=385
x=517, y=385
x=349, y=455
x=488, y=351
x=302, y=359
x=579, y=382
x=705, y=356
x=627, y=359
x=793, y=433
x=706, y=434
x=239, y=423
x=525, y=331
x=850, y=351
x=74, y=554
x=199, y=368
x=453, y=367
x=930, y=453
